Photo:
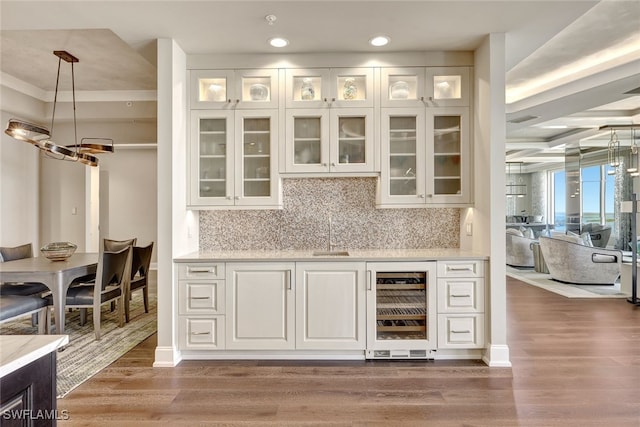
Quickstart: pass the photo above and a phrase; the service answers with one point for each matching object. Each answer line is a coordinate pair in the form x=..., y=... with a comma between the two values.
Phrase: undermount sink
x=331, y=253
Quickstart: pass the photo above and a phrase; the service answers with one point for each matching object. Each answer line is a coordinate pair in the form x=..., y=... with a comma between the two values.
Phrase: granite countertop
x=354, y=255
x=17, y=351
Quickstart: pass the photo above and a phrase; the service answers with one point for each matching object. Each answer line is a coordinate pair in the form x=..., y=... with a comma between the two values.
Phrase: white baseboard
x=497, y=356
x=166, y=357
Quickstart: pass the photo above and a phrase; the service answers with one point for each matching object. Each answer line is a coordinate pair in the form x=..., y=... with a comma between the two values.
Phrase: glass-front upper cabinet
x=211, y=158
x=403, y=152
x=402, y=87
x=425, y=87
x=232, y=159
x=307, y=88
x=327, y=88
x=425, y=156
x=336, y=140
x=229, y=89
x=448, y=153
x=256, y=182
x=448, y=86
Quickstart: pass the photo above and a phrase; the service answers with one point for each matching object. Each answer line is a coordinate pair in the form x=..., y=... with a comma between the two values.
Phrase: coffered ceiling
x=573, y=66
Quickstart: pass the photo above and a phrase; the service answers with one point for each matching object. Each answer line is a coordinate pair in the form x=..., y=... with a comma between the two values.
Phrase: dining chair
x=15, y=253
x=117, y=245
x=139, y=276
x=13, y=307
x=108, y=287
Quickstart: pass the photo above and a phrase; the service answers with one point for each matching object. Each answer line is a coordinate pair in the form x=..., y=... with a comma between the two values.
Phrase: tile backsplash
x=303, y=223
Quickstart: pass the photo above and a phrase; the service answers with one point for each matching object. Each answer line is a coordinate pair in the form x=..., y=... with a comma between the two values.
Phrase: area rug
x=84, y=357
x=544, y=281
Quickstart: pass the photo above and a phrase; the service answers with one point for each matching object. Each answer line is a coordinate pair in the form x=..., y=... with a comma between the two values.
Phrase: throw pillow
x=514, y=231
x=570, y=238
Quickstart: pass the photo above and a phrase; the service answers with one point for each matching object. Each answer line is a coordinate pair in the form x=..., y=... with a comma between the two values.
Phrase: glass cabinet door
x=255, y=164
x=448, y=86
x=403, y=152
x=211, y=89
x=307, y=88
x=352, y=87
x=307, y=140
x=256, y=88
x=352, y=140
x=402, y=87
x=211, y=157
x=448, y=154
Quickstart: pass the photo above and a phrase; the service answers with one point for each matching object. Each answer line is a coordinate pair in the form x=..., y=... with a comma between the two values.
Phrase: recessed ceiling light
x=278, y=42
x=379, y=41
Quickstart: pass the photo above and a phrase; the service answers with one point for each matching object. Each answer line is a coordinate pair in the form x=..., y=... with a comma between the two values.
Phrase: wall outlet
x=469, y=227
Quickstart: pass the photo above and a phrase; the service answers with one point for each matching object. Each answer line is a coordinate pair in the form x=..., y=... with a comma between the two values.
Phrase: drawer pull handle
x=202, y=270
x=200, y=333
x=449, y=268
x=461, y=332
x=461, y=296
x=200, y=297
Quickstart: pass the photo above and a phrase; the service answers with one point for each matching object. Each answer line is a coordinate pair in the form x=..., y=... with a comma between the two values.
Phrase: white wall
x=129, y=205
x=18, y=191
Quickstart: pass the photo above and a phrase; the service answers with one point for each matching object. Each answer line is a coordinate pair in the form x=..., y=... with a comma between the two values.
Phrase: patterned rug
x=544, y=281
x=83, y=357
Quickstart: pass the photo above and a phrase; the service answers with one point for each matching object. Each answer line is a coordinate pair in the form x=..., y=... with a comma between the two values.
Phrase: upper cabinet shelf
x=425, y=87
x=229, y=89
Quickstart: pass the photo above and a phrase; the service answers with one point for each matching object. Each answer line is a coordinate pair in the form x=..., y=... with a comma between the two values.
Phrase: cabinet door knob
x=421, y=196
x=333, y=100
x=228, y=197
x=333, y=164
x=237, y=198
x=229, y=100
x=237, y=101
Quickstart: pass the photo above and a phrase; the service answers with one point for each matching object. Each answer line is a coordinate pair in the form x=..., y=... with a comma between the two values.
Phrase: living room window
x=558, y=198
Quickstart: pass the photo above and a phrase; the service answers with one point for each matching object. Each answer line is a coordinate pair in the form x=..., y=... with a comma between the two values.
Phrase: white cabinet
x=425, y=157
x=425, y=86
x=260, y=306
x=229, y=89
x=329, y=88
x=233, y=159
x=329, y=140
x=201, y=306
x=461, y=304
x=330, y=306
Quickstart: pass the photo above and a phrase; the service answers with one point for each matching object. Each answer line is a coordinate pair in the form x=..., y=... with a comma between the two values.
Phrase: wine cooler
x=401, y=310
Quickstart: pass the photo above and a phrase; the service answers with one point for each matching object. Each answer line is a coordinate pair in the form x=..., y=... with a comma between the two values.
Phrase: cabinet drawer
x=201, y=297
x=201, y=333
x=470, y=268
x=462, y=331
x=201, y=271
x=461, y=295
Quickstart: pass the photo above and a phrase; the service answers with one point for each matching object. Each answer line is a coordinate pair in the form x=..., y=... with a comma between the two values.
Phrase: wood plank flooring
x=575, y=363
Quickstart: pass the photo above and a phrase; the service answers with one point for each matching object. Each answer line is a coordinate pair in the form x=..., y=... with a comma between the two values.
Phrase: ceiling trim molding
x=23, y=87
x=28, y=89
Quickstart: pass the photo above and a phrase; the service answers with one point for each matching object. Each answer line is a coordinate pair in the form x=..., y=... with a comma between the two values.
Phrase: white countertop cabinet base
x=260, y=306
x=330, y=306
x=329, y=309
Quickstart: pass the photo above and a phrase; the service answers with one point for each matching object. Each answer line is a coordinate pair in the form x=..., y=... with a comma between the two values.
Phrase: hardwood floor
x=576, y=362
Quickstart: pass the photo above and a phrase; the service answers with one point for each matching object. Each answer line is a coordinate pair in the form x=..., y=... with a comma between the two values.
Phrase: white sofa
x=572, y=262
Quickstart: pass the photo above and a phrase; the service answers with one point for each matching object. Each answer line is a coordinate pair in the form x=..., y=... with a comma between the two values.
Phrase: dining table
x=56, y=275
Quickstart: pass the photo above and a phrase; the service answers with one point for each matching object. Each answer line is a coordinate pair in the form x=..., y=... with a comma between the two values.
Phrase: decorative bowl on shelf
x=399, y=90
x=259, y=92
x=58, y=251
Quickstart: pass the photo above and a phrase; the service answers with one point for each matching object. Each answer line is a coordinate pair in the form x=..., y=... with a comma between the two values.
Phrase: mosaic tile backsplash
x=303, y=223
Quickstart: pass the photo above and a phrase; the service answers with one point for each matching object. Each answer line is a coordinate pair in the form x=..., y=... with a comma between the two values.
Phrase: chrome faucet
x=331, y=244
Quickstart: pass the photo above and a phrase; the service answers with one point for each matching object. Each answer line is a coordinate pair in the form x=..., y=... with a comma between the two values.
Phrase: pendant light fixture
x=513, y=189
x=41, y=137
